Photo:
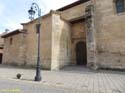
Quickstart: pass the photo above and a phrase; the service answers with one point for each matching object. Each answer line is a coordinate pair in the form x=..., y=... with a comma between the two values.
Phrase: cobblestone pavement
x=78, y=78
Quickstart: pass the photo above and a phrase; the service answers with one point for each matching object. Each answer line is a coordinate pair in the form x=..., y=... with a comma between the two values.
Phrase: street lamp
x=32, y=11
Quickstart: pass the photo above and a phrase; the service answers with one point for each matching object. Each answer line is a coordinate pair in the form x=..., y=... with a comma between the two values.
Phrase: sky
x=14, y=12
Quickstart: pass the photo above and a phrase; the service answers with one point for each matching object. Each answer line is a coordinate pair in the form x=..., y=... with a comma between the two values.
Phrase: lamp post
x=32, y=11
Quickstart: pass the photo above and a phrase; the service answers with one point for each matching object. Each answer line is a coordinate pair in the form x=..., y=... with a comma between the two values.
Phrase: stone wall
x=110, y=35
x=61, y=43
x=45, y=40
x=75, y=12
x=14, y=50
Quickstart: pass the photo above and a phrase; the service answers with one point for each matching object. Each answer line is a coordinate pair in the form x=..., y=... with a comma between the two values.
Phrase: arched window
x=119, y=6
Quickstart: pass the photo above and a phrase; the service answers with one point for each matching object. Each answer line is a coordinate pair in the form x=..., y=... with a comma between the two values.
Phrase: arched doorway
x=81, y=53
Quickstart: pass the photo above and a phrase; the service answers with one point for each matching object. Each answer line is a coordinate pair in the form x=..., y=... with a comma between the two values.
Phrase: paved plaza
x=9, y=86
x=71, y=79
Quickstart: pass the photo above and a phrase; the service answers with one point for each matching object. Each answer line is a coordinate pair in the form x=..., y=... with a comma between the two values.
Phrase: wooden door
x=81, y=54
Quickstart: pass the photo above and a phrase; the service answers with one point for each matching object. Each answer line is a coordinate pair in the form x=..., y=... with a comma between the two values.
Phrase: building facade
x=87, y=32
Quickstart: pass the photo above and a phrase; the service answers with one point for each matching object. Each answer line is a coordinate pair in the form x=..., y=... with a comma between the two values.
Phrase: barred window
x=120, y=6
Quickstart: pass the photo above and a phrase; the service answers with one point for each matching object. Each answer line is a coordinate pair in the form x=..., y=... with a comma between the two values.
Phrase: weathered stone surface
x=110, y=35
x=61, y=42
x=75, y=12
x=45, y=42
x=96, y=23
x=15, y=53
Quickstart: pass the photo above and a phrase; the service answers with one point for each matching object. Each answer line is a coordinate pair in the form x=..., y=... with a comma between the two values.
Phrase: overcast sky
x=14, y=12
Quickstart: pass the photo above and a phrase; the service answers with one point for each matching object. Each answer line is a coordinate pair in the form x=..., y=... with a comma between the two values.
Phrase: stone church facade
x=90, y=33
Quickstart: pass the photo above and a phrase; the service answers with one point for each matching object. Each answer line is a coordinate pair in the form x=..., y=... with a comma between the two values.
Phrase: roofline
x=35, y=19
x=72, y=5
x=12, y=33
x=59, y=10
x=46, y=15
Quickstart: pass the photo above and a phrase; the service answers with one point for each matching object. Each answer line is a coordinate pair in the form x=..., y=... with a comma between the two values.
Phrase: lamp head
x=31, y=13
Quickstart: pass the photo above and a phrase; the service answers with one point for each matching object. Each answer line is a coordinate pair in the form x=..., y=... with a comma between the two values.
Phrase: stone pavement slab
x=10, y=86
x=78, y=78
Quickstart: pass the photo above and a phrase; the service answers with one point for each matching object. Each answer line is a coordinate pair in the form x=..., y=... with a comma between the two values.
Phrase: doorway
x=81, y=53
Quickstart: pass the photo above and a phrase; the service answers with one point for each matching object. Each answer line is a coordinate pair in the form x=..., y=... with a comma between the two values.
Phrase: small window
x=120, y=6
x=11, y=41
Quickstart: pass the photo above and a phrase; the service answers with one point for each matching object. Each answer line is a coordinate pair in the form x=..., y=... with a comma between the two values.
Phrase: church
x=89, y=33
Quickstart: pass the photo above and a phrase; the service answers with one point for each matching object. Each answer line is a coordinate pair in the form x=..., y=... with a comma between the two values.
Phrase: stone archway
x=81, y=53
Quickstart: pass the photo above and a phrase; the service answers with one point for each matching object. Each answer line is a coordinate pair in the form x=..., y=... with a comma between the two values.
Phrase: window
x=11, y=41
x=120, y=6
